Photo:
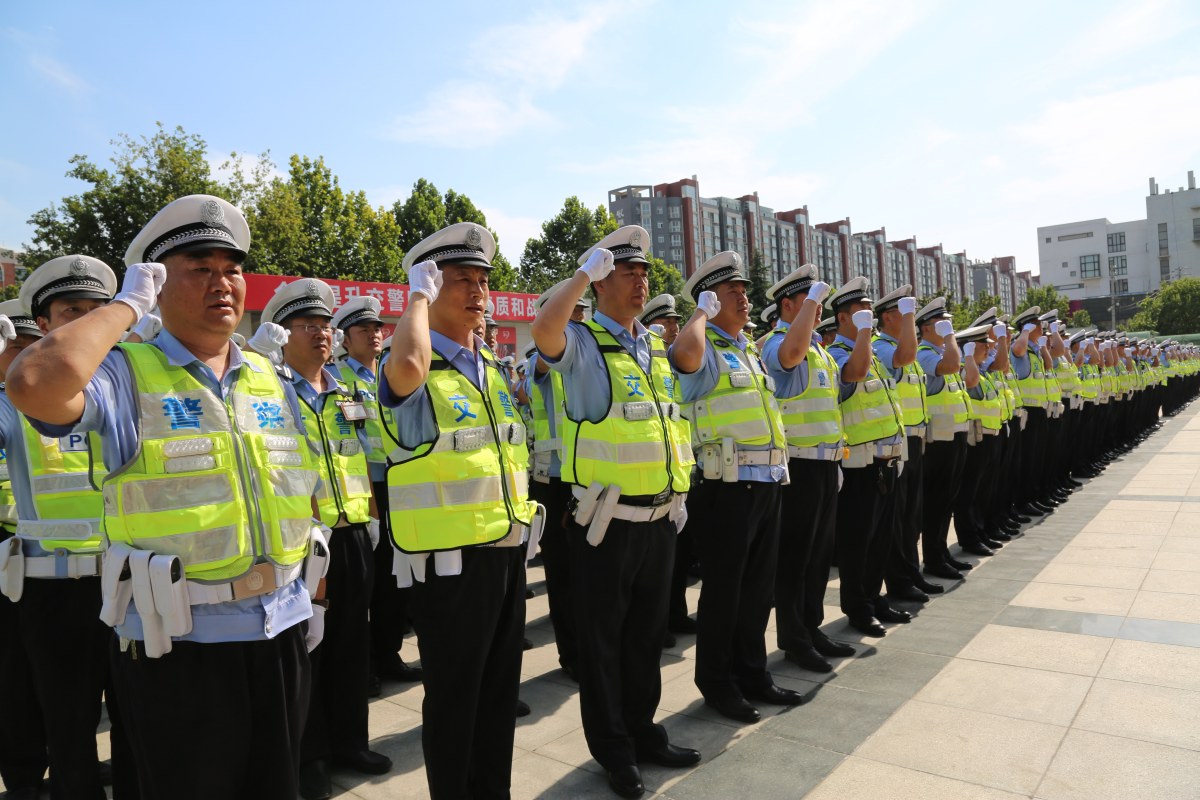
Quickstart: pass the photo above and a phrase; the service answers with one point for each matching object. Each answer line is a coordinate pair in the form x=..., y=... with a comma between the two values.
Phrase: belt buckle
x=660, y=498
x=259, y=580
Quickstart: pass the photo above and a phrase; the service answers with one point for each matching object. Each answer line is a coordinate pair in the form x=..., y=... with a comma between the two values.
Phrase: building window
x=1164, y=244
x=1089, y=266
x=1118, y=265
x=1047, y=240
x=673, y=212
x=1071, y=236
x=1116, y=243
x=1196, y=229
x=1066, y=264
x=1164, y=269
x=1120, y=286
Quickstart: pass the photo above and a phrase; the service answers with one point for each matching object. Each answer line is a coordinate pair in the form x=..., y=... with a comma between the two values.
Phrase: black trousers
x=337, y=710
x=67, y=647
x=556, y=559
x=469, y=631
x=737, y=539
x=389, y=603
x=685, y=554
x=999, y=501
x=904, y=563
x=22, y=735
x=621, y=618
x=865, y=515
x=216, y=720
x=807, y=524
x=974, y=494
x=943, y=477
x=1033, y=454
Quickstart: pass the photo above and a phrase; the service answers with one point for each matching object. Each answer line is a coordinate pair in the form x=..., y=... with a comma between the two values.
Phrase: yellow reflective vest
x=872, y=411
x=742, y=406
x=949, y=408
x=63, y=474
x=344, y=497
x=813, y=417
x=546, y=446
x=367, y=392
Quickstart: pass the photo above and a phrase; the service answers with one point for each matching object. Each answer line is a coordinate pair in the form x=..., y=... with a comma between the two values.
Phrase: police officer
x=1029, y=366
x=661, y=311
x=460, y=513
x=360, y=322
x=627, y=455
x=22, y=737
x=946, y=449
x=805, y=377
x=54, y=480
x=872, y=424
x=208, y=510
x=985, y=420
x=742, y=458
x=334, y=415
x=827, y=330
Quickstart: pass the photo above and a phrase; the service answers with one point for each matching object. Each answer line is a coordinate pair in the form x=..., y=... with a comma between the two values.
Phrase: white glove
x=841, y=477
x=7, y=332
x=147, y=327
x=680, y=519
x=818, y=291
x=1054, y=327
x=141, y=286
x=709, y=304
x=907, y=305
x=943, y=327
x=1027, y=327
x=373, y=531
x=999, y=330
x=598, y=265
x=269, y=340
x=425, y=278
x=1088, y=342
x=316, y=628
x=969, y=349
x=659, y=329
x=863, y=319
x=339, y=336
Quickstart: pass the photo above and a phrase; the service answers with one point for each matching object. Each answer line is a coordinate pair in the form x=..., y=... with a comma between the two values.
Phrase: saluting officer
x=460, y=513
x=806, y=386
x=979, y=468
x=333, y=415
x=827, y=330
x=1029, y=365
x=57, y=548
x=872, y=425
x=627, y=454
x=741, y=452
x=22, y=737
x=661, y=311
x=207, y=510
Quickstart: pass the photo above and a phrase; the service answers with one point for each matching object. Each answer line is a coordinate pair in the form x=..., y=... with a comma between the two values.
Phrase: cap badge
x=737, y=260
x=311, y=289
x=474, y=237
x=635, y=238
x=211, y=213
x=79, y=268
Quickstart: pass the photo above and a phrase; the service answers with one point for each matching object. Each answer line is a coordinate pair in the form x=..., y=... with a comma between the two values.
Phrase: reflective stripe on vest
x=813, y=417
x=367, y=392
x=544, y=445
x=872, y=411
x=60, y=480
x=470, y=485
x=988, y=409
x=221, y=483
x=1033, y=387
x=951, y=401
x=742, y=405
x=8, y=502
x=345, y=490
x=637, y=445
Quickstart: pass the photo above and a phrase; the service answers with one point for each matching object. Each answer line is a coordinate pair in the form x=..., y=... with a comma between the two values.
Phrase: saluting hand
x=141, y=286
x=907, y=305
x=863, y=319
x=943, y=327
x=7, y=332
x=709, y=304
x=425, y=278
x=598, y=265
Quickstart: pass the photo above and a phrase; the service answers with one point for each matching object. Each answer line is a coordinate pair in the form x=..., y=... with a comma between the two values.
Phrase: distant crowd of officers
x=226, y=541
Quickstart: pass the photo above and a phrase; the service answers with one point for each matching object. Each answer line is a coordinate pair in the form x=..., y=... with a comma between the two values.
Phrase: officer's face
x=463, y=298
x=310, y=339
x=15, y=346
x=670, y=328
x=366, y=339
x=66, y=309
x=624, y=290
x=205, y=291
x=577, y=314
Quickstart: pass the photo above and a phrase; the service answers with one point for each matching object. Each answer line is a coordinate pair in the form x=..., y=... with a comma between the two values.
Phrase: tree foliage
x=760, y=284
x=1173, y=310
x=966, y=313
x=554, y=255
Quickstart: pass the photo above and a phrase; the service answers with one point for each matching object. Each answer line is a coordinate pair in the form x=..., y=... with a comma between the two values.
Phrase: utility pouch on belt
x=12, y=569
x=402, y=569
x=171, y=595
x=316, y=564
x=585, y=504
x=710, y=460
x=729, y=463
x=116, y=585
x=603, y=515
x=536, y=526
x=157, y=642
x=447, y=562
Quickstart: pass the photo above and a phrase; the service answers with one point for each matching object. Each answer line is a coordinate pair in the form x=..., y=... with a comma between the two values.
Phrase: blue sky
x=968, y=124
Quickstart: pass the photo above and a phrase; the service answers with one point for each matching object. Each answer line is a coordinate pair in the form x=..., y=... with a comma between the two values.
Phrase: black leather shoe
x=523, y=709
x=682, y=625
x=374, y=685
x=1029, y=510
x=943, y=571
x=526, y=644
x=829, y=648
x=1047, y=502
x=893, y=615
x=909, y=594
x=105, y=770
x=867, y=625
x=977, y=549
x=776, y=696
x=569, y=671
x=808, y=659
x=670, y=756
x=29, y=793
x=930, y=588
x=961, y=566
x=626, y=781
x=669, y=640
x=734, y=708
x=1020, y=519
x=999, y=535
x=364, y=761
x=314, y=781
x=394, y=669
x=992, y=544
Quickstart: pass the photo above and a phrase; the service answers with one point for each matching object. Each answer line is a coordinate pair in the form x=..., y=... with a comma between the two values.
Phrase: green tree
x=760, y=284
x=1046, y=297
x=10, y=292
x=1172, y=311
x=1080, y=319
x=966, y=313
x=103, y=219
x=554, y=255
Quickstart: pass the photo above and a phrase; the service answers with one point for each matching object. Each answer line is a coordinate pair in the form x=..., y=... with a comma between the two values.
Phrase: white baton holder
x=536, y=526
x=586, y=503
x=171, y=598
x=447, y=562
x=116, y=585
x=729, y=460
x=402, y=569
x=603, y=514
x=316, y=564
x=156, y=641
x=12, y=569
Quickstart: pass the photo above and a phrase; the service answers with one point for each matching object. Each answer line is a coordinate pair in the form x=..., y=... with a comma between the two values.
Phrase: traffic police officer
x=627, y=455
x=661, y=311
x=1030, y=367
x=334, y=415
x=458, y=490
x=806, y=387
x=741, y=454
x=207, y=509
x=984, y=423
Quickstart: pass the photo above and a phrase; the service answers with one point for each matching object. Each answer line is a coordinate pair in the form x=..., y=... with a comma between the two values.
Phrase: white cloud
x=58, y=73
x=514, y=230
x=470, y=115
x=1131, y=28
